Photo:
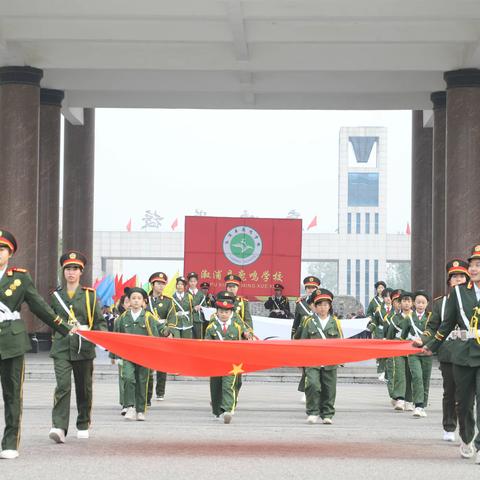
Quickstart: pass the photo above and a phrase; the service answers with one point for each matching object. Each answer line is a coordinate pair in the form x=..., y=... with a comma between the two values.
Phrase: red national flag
x=118, y=288
x=129, y=226
x=130, y=283
x=175, y=224
x=407, y=230
x=313, y=223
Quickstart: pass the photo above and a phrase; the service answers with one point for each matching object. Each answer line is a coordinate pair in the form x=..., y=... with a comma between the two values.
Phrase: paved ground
x=267, y=439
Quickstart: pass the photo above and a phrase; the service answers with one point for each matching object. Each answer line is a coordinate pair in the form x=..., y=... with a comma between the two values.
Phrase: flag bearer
x=76, y=305
x=179, y=317
x=16, y=288
x=321, y=381
x=225, y=325
x=198, y=301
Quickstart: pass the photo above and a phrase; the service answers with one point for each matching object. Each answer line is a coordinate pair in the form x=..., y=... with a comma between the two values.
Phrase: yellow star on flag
x=237, y=369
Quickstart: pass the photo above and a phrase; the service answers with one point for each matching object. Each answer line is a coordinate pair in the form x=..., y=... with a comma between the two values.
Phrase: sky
x=225, y=162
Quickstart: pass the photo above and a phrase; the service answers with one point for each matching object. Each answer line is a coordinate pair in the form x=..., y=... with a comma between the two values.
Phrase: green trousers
x=449, y=406
x=159, y=387
x=82, y=374
x=198, y=331
x=12, y=373
x=402, y=379
x=389, y=370
x=176, y=333
x=136, y=384
x=467, y=380
x=224, y=394
x=320, y=391
x=121, y=386
x=381, y=365
x=421, y=371
x=301, y=383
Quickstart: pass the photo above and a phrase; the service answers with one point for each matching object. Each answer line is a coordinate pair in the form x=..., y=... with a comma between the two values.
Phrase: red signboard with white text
x=262, y=251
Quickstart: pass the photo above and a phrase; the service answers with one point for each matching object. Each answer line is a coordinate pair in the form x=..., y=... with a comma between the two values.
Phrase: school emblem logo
x=242, y=245
x=456, y=264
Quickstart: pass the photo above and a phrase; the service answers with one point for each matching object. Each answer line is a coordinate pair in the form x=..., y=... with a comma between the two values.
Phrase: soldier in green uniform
x=377, y=299
x=179, y=317
x=241, y=307
x=123, y=306
x=462, y=310
x=16, y=288
x=225, y=325
x=137, y=321
x=76, y=305
x=321, y=381
x=302, y=310
x=420, y=365
x=210, y=298
x=457, y=274
x=159, y=305
x=198, y=301
x=278, y=303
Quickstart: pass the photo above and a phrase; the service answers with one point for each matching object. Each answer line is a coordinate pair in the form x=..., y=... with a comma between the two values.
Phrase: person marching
x=179, y=317
x=241, y=307
x=198, y=301
x=225, y=325
x=420, y=365
x=123, y=306
x=210, y=298
x=16, y=288
x=137, y=321
x=278, y=303
x=159, y=305
x=377, y=300
x=321, y=381
x=457, y=274
x=463, y=310
x=302, y=310
x=76, y=305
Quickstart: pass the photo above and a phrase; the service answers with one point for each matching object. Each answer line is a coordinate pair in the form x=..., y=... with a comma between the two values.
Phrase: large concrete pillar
x=439, y=100
x=19, y=132
x=463, y=161
x=78, y=188
x=421, y=237
x=48, y=191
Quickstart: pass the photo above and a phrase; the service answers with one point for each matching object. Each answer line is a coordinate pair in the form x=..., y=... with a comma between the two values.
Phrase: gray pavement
x=267, y=439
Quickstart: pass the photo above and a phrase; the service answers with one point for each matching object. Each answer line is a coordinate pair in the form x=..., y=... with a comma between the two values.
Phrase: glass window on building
x=357, y=223
x=367, y=282
x=399, y=275
x=325, y=270
x=367, y=223
x=349, y=223
x=357, y=279
x=362, y=189
x=377, y=222
x=349, y=277
x=362, y=151
x=375, y=271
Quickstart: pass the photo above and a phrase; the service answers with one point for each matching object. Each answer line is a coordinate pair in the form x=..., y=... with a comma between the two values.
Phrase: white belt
x=463, y=335
x=183, y=328
x=5, y=317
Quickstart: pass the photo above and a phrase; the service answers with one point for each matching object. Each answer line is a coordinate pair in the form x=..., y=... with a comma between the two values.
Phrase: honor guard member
x=225, y=325
x=16, y=288
x=278, y=303
x=321, y=381
x=377, y=299
x=198, y=301
x=137, y=321
x=389, y=365
x=463, y=310
x=457, y=274
x=210, y=298
x=159, y=305
x=179, y=317
x=241, y=307
x=76, y=305
x=420, y=365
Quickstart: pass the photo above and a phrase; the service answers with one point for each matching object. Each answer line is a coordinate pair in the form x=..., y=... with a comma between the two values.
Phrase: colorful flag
x=175, y=224
x=407, y=230
x=170, y=287
x=106, y=290
x=313, y=223
x=129, y=226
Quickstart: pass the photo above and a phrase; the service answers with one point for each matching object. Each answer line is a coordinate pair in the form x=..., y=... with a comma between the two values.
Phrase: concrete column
x=48, y=191
x=19, y=133
x=421, y=237
x=439, y=100
x=463, y=161
x=78, y=189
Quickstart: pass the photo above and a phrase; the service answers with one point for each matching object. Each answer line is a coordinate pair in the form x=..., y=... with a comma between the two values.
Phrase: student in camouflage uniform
x=76, y=305
x=16, y=288
x=198, y=301
x=321, y=381
x=225, y=325
x=179, y=317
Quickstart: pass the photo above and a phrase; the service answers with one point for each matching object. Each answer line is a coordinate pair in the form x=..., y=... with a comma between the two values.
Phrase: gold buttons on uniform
x=8, y=293
x=17, y=282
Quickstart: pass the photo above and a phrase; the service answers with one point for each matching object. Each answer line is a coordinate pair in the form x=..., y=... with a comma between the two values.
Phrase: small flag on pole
x=175, y=224
x=313, y=223
x=129, y=226
x=407, y=230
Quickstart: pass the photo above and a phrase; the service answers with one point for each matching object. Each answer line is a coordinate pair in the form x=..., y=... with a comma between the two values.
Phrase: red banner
x=261, y=251
x=205, y=358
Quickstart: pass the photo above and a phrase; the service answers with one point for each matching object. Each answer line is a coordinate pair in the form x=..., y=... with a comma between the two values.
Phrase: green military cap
x=225, y=300
x=158, y=277
x=8, y=240
x=192, y=275
x=73, y=258
x=181, y=280
x=311, y=281
x=233, y=279
x=137, y=290
x=422, y=293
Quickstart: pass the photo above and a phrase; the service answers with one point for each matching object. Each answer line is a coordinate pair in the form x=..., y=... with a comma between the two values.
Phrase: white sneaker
x=160, y=398
x=57, y=435
x=467, y=450
x=83, y=434
x=123, y=411
x=327, y=421
x=215, y=418
x=417, y=412
x=227, y=417
x=423, y=413
x=9, y=454
x=477, y=459
x=400, y=405
x=448, y=436
x=140, y=417
x=303, y=398
x=393, y=402
x=381, y=377
x=312, y=419
x=131, y=414
x=409, y=407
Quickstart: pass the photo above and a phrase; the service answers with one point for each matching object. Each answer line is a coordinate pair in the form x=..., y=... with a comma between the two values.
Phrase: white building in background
x=349, y=262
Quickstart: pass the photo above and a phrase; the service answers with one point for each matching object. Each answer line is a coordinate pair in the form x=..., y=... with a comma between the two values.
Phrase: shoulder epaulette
x=90, y=289
x=16, y=269
x=470, y=285
x=437, y=298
